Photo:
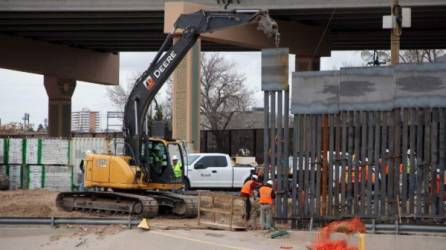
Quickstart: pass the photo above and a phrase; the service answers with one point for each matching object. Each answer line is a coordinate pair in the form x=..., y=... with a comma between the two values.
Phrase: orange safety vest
x=372, y=175
x=246, y=189
x=437, y=183
x=265, y=195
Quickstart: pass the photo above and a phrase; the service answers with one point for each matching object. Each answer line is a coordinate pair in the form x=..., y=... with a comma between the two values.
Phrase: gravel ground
x=32, y=203
x=41, y=203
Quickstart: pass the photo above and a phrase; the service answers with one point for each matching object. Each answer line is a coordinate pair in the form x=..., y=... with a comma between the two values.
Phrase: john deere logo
x=165, y=64
x=150, y=82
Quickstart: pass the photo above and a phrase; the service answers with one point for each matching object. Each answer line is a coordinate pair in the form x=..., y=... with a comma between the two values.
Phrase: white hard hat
x=255, y=177
x=269, y=182
x=87, y=152
x=174, y=158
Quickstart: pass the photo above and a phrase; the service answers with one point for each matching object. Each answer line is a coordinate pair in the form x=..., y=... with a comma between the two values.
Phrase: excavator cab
x=158, y=160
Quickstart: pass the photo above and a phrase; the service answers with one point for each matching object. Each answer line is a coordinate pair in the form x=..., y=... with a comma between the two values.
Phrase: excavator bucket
x=269, y=27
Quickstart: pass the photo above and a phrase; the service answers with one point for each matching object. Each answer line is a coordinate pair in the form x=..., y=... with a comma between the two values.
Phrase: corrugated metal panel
x=315, y=92
x=55, y=151
x=117, y=147
x=420, y=85
x=80, y=145
x=15, y=147
x=366, y=88
x=33, y=176
x=32, y=150
x=3, y=169
x=15, y=176
x=275, y=69
x=58, y=178
x=2, y=151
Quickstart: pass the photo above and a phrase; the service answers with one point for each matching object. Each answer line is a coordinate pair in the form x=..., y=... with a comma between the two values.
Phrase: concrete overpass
x=81, y=39
x=137, y=25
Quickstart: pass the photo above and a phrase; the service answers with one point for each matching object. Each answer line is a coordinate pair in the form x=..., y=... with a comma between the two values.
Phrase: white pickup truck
x=215, y=171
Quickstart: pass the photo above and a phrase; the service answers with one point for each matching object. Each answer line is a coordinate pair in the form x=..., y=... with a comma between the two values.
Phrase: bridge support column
x=186, y=99
x=59, y=105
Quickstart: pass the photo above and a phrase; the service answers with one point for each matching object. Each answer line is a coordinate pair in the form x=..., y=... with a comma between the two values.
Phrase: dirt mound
x=32, y=203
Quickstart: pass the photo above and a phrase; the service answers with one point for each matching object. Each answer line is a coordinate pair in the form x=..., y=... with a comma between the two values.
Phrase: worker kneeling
x=267, y=195
x=247, y=191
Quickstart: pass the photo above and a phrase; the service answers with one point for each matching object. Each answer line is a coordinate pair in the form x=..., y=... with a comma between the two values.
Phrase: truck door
x=212, y=172
x=199, y=174
x=221, y=173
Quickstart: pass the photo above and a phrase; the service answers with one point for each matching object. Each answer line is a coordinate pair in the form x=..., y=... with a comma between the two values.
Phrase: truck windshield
x=191, y=159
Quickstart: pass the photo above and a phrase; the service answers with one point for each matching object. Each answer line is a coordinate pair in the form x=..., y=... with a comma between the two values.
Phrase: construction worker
x=267, y=196
x=155, y=155
x=247, y=191
x=177, y=167
x=80, y=176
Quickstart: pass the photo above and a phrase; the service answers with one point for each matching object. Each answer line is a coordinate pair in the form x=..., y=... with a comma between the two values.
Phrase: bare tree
x=382, y=57
x=119, y=94
x=166, y=100
x=222, y=94
x=420, y=55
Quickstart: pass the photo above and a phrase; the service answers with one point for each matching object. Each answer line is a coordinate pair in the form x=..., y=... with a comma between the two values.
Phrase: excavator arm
x=168, y=58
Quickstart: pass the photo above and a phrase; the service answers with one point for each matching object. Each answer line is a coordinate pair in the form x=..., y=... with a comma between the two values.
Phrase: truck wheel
x=186, y=183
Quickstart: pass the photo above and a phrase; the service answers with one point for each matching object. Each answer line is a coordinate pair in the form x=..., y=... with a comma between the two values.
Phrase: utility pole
x=400, y=18
x=395, y=32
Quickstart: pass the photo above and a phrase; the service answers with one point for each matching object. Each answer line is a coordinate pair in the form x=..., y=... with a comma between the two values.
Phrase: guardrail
x=53, y=221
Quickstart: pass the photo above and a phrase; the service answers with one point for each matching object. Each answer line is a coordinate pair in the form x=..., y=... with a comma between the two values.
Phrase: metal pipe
x=136, y=116
x=279, y=195
x=273, y=135
x=60, y=221
x=286, y=138
x=406, y=228
x=26, y=221
x=265, y=136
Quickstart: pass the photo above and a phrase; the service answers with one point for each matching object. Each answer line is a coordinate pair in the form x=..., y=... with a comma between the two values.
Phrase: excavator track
x=142, y=204
x=108, y=203
x=181, y=205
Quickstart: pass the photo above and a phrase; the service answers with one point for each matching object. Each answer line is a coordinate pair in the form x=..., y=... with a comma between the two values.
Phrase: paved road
x=65, y=238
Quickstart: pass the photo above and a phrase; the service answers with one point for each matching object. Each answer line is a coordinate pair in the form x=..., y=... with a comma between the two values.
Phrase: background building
x=85, y=121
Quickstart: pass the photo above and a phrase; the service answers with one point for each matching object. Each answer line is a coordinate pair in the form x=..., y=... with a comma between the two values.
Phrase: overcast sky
x=24, y=92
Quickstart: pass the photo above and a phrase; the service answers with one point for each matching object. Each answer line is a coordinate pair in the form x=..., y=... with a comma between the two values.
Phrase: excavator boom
x=168, y=58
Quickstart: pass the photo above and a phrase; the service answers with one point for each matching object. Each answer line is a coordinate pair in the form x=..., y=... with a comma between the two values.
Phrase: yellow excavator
x=143, y=181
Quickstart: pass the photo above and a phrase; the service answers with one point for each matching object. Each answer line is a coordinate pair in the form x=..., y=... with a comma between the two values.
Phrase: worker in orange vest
x=267, y=196
x=247, y=191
